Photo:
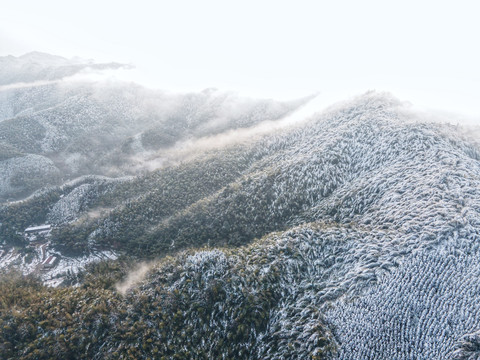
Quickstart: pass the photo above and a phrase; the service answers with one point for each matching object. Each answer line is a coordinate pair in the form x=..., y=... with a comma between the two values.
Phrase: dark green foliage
x=73, y=239
x=147, y=201
x=105, y=274
x=16, y=217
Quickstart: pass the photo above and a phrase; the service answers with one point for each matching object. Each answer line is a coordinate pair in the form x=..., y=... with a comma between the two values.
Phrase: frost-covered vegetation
x=241, y=304
x=351, y=235
x=106, y=128
x=348, y=165
x=24, y=174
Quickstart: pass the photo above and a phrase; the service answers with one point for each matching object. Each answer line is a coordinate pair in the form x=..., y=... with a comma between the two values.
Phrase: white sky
x=427, y=52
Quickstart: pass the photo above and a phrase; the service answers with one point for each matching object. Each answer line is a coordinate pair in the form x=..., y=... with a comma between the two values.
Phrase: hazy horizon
x=423, y=53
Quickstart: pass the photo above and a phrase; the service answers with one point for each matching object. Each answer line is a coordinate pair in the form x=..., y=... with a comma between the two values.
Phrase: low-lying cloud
x=134, y=277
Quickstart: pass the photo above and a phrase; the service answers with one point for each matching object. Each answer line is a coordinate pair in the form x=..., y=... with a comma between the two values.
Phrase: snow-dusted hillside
x=23, y=174
x=352, y=234
x=106, y=127
x=392, y=273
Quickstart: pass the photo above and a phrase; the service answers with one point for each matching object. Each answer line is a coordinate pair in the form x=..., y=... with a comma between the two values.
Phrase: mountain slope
x=109, y=128
x=326, y=169
x=352, y=234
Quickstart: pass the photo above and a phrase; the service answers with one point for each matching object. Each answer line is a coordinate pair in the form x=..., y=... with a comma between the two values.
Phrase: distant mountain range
x=56, y=131
x=37, y=66
x=195, y=226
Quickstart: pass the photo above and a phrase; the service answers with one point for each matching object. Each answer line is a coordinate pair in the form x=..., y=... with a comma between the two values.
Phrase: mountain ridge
x=352, y=233
x=37, y=66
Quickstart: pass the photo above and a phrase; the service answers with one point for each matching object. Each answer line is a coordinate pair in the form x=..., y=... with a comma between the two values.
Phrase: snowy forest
x=141, y=224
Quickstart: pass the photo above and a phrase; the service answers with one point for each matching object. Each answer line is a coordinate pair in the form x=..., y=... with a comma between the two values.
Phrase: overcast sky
x=427, y=52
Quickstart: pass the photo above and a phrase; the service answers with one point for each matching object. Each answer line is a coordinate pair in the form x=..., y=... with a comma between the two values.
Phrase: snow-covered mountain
x=352, y=234
x=37, y=66
x=75, y=128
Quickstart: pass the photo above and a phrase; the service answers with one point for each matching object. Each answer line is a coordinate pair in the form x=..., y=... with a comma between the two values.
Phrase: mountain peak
x=33, y=55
